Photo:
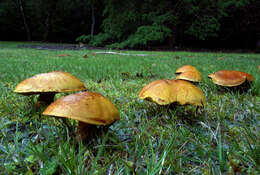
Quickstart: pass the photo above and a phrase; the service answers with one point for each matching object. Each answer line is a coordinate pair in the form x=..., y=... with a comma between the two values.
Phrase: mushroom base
x=45, y=99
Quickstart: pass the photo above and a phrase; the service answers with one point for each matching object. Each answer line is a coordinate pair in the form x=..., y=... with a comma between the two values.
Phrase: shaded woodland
x=133, y=24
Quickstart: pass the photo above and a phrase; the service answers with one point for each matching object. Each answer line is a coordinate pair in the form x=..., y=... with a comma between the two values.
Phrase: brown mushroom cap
x=189, y=73
x=87, y=107
x=230, y=78
x=164, y=92
x=49, y=82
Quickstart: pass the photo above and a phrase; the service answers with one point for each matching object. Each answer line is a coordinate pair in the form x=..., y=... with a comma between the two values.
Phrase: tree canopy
x=134, y=24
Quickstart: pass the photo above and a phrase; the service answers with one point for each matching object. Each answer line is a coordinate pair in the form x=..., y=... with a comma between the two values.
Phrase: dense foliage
x=133, y=23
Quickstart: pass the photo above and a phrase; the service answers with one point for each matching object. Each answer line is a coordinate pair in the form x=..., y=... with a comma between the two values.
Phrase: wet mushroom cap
x=49, y=82
x=164, y=92
x=87, y=107
x=230, y=78
x=189, y=73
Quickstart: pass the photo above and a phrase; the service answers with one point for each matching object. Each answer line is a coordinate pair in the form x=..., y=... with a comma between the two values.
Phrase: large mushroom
x=189, y=73
x=88, y=108
x=230, y=78
x=164, y=92
x=48, y=84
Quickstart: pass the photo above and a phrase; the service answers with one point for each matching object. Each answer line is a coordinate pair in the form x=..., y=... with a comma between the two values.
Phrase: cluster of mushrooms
x=91, y=108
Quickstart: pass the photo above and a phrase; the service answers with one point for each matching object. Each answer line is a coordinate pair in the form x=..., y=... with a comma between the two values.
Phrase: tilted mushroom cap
x=87, y=107
x=189, y=73
x=159, y=91
x=164, y=92
x=230, y=78
x=50, y=82
x=187, y=93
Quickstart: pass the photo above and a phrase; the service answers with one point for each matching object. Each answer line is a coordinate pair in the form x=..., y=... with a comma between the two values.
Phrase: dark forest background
x=147, y=24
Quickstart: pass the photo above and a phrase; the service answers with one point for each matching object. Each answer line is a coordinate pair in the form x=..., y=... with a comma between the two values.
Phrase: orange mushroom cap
x=159, y=91
x=230, y=78
x=187, y=93
x=87, y=107
x=190, y=76
x=164, y=92
x=50, y=82
x=189, y=73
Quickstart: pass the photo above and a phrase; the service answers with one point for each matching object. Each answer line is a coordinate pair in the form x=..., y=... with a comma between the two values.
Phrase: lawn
x=223, y=137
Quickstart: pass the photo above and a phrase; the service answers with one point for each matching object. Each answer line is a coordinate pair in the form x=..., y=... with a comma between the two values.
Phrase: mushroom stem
x=85, y=130
x=46, y=98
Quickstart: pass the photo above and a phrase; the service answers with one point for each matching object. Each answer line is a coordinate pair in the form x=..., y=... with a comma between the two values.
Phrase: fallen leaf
x=220, y=58
x=63, y=55
x=85, y=56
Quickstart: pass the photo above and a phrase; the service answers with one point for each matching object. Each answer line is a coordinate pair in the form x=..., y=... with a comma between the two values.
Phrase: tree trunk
x=258, y=46
x=172, y=40
x=51, y=9
x=93, y=19
x=26, y=27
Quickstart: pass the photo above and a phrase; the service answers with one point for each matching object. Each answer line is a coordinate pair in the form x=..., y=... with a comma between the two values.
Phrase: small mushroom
x=164, y=92
x=230, y=78
x=88, y=108
x=189, y=73
x=186, y=68
x=48, y=84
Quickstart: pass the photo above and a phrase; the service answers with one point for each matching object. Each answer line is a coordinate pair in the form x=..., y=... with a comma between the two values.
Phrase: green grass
x=149, y=139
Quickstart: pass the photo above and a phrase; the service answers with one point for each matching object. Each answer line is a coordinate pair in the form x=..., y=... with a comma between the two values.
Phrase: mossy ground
x=149, y=139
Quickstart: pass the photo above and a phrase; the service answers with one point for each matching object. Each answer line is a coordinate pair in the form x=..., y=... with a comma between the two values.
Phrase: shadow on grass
x=186, y=114
x=241, y=89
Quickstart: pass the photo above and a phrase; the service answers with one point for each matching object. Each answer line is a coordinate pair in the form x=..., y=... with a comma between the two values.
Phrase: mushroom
x=189, y=73
x=159, y=91
x=89, y=108
x=48, y=84
x=230, y=78
x=164, y=92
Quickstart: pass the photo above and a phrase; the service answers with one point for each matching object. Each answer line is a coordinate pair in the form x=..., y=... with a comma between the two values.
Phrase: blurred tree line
x=135, y=24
